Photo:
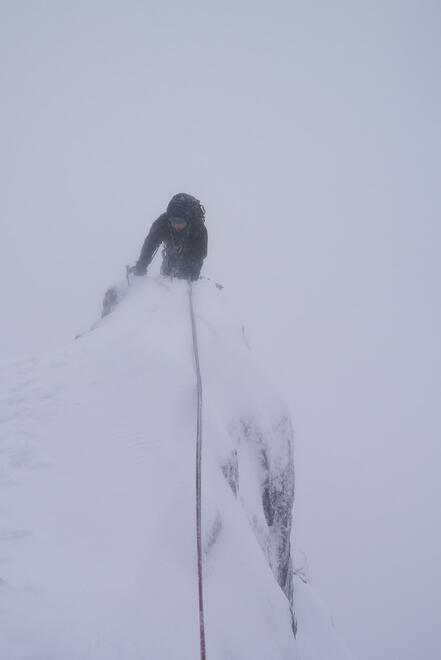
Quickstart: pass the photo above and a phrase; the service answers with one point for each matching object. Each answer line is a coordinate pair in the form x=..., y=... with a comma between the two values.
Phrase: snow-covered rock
x=97, y=494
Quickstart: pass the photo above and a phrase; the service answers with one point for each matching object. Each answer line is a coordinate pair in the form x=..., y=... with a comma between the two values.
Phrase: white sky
x=311, y=132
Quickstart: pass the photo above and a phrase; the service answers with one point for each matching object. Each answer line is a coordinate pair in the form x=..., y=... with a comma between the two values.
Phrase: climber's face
x=178, y=223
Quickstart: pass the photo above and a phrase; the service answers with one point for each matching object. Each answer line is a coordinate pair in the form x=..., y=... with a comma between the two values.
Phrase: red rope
x=198, y=472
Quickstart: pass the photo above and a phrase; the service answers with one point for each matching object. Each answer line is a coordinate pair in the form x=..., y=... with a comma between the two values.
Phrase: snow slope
x=97, y=513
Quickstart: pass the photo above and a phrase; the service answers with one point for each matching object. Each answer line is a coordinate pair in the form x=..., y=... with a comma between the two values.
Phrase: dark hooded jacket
x=183, y=253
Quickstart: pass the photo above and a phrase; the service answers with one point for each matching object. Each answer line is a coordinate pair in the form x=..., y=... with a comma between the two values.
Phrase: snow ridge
x=97, y=526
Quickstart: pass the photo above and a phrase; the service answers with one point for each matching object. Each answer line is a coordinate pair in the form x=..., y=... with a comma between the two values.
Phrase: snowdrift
x=97, y=492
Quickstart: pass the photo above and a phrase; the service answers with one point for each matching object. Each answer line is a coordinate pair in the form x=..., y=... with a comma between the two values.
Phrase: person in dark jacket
x=181, y=230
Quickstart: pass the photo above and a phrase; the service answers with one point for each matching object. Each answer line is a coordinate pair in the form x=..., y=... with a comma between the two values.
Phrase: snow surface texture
x=97, y=484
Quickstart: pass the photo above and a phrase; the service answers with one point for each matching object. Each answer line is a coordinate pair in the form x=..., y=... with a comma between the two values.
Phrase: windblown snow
x=97, y=495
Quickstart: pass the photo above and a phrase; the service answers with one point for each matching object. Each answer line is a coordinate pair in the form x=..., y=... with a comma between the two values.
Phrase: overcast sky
x=311, y=132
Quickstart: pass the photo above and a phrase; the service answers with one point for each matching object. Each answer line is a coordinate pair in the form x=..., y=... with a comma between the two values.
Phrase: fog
x=311, y=133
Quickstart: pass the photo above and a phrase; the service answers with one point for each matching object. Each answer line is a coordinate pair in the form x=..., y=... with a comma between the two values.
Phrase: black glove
x=138, y=270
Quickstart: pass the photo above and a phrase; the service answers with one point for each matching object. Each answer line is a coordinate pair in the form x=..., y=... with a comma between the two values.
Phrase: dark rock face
x=231, y=472
x=271, y=447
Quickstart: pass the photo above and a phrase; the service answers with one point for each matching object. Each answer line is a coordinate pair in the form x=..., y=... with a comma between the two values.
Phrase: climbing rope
x=198, y=471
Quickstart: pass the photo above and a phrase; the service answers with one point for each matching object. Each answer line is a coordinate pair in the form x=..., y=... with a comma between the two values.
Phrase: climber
x=182, y=232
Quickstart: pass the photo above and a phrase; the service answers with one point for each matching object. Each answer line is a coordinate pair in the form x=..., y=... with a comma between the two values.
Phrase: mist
x=311, y=133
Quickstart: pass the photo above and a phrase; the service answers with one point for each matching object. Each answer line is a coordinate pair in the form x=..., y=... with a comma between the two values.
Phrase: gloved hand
x=137, y=270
